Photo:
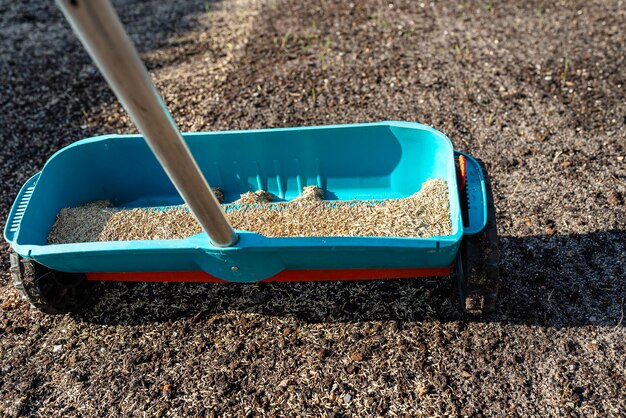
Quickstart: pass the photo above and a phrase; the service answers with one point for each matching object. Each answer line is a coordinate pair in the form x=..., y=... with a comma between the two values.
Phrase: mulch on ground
x=535, y=89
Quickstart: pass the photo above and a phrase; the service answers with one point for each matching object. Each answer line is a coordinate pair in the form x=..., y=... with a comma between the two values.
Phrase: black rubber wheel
x=478, y=262
x=50, y=291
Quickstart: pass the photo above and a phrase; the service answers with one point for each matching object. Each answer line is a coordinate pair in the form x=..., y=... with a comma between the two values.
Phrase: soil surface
x=535, y=89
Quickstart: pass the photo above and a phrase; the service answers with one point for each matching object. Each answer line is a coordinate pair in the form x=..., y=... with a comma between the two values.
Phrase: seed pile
x=423, y=214
x=250, y=198
x=310, y=194
x=219, y=195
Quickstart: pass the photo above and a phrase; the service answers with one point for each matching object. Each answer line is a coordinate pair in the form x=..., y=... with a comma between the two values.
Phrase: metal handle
x=99, y=28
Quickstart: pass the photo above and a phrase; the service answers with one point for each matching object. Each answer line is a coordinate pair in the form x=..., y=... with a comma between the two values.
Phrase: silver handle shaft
x=99, y=28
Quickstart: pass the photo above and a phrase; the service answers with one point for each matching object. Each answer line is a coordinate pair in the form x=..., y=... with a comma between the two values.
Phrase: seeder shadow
x=558, y=281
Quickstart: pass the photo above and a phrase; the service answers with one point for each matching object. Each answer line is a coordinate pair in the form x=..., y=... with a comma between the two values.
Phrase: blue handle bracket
x=477, y=195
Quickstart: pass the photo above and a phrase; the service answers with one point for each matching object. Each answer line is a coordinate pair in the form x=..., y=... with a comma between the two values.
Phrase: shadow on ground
x=559, y=281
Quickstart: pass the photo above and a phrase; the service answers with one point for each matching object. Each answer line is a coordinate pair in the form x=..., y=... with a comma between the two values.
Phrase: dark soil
x=535, y=89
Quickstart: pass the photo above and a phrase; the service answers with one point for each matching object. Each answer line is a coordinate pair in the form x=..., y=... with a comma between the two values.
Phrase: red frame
x=283, y=276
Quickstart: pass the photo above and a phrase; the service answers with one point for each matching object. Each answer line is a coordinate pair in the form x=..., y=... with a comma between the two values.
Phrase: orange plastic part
x=462, y=172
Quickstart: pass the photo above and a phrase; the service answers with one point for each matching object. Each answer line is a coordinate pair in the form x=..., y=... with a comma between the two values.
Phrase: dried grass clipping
x=424, y=214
